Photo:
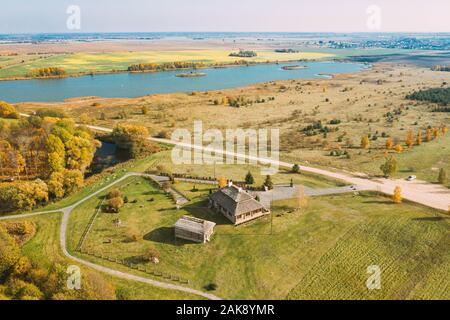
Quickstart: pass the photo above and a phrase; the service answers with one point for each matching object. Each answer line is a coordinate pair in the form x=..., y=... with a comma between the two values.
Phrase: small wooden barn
x=194, y=229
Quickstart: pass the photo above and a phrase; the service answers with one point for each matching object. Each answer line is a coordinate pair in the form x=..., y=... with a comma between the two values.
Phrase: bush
x=211, y=286
x=114, y=193
x=8, y=111
x=114, y=204
x=151, y=254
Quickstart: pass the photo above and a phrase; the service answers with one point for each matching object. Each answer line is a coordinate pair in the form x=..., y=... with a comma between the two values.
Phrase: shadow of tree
x=431, y=219
x=379, y=202
x=135, y=259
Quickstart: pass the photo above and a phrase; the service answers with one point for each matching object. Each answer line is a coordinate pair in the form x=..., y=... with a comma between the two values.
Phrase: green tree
x=296, y=168
x=249, y=178
x=56, y=153
x=389, y=167
x=268, y=182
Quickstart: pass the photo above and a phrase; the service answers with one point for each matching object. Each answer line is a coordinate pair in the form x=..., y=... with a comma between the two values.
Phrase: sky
x=35, y=16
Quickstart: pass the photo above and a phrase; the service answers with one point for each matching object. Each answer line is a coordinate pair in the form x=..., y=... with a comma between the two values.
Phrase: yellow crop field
x=104, y=62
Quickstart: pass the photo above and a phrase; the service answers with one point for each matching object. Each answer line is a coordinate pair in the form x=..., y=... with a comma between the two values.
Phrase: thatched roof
x=194, y=225
x=236, y=200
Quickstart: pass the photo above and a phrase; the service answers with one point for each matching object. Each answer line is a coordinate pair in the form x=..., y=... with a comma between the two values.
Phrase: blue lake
x=122, y=85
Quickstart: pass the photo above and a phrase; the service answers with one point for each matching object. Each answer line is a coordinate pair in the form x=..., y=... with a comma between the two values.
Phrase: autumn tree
x=114, y=193
x=9, y=252
x=435, y=133
x=151, y=254
x=8, y=111
x=222, y=182
x=389, y=143
x=419, y=139
x=365, y=142
x=409, y=139
x=397, y=197
x=225, y=101
x=444, y=130
x=56, y=153
x=399, y=148
x=389, y=168
x=85, y=118
x=428, y=135
x=114, y=204
x=133, y=139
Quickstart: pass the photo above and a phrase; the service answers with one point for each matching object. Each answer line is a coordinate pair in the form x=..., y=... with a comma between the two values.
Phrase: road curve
x=63, y=243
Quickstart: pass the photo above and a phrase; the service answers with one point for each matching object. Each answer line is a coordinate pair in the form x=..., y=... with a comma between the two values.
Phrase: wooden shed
x=194, y=229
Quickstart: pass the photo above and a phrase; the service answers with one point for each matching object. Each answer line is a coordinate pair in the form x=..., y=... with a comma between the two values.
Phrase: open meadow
x=321, y=251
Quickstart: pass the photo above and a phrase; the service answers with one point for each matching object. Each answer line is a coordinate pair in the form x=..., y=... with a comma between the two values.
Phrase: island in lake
x=191, y=75
x=294, y=67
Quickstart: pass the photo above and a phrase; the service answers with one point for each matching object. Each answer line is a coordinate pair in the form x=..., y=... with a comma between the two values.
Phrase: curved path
x=63, y=237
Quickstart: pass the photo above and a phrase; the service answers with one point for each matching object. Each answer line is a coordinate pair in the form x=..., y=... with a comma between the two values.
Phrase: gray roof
x=236, y=200
x=194, y=225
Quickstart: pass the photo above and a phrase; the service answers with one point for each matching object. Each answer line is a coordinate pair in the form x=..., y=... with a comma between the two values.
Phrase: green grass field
x=320, y=252
x=105, y=62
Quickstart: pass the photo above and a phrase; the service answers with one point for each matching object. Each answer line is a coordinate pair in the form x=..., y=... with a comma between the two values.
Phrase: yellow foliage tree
x=365, y=143
x=435, y=133
x=419, y=139
x=428, y=135
x=409, y=139
x=444, y=130
x=222, y=182
x=397, y=198
x=399, y=148
x=389, y=143
x=225, y=101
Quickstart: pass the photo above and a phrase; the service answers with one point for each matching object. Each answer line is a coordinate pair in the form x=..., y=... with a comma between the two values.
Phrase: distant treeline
x=177, y=65
x=441, y=68
x=165, y=66
x=436, y=95
x=244, y=54
x=286, y=51
x=47, y=72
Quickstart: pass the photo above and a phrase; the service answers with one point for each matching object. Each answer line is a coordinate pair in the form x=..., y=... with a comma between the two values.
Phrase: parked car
x=411, y=178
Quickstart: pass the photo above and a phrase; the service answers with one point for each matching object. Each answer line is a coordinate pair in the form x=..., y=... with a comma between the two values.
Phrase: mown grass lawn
x=322, y=251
